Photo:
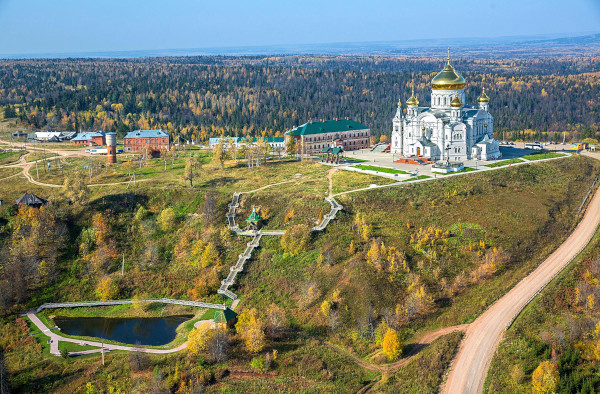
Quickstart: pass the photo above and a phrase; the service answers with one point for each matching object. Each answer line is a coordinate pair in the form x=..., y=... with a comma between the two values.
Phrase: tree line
x=202, y=97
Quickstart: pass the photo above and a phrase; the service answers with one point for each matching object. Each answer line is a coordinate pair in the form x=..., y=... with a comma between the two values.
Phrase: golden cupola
x=412, y=100
x=399, y=103
x=448, y=78
x=483, y=98
x=456, y=103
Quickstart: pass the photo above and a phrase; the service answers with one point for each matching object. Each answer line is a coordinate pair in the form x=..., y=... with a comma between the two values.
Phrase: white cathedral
x=449, y=129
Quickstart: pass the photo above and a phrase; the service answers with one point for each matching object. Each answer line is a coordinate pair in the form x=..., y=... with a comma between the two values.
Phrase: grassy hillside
x=416, y=257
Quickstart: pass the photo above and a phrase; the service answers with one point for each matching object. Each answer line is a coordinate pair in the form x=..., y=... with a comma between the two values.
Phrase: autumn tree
x=107, y=289
x=251, y=330
x=193, y=164
x=296, y=239
x=167, y=219
x=205, y=284
x=200, y=338
x=290, y=146
x=219, y=153
x=210, y=256
x=76, y=188
x=392, y=344
x=276, y=320
x=545, y=378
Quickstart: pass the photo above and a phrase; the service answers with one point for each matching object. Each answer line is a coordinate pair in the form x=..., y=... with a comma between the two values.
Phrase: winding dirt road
x=469, y=367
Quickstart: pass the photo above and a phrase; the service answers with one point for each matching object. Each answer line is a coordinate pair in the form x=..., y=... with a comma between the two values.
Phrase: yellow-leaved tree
x=545, y=378
x=107, y=289
x=210, y=256
x=392, y=344
x=251, y=330
x=200, y=338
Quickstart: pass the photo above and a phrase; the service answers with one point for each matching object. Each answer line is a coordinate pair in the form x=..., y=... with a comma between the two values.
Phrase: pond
x=150, y=331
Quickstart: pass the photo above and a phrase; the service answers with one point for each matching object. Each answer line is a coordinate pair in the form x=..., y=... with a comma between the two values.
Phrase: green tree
x=290, y=146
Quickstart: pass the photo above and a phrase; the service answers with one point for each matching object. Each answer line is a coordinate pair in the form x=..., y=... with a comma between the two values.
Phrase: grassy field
x=542, y=155
x=416, y=178
x=380, y=169
x=10, y=157
x=350, y=180
x=504, y=163
x=39, y=155
x=9, y=171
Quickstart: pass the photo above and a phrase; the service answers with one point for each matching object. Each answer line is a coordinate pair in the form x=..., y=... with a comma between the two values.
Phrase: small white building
x=274, y=142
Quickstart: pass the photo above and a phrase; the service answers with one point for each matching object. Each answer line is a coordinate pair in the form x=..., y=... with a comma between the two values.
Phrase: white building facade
x=448, y=129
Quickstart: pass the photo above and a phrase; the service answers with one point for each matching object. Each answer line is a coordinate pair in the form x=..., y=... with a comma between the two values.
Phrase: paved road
x=470, y=366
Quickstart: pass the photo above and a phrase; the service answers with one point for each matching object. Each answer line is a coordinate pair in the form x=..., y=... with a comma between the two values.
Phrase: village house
x=95, y=138
x=139, y=140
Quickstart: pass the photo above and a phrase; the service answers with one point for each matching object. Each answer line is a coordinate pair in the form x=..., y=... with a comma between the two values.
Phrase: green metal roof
x=254, y=216
x=228, y=313
x=329, y=126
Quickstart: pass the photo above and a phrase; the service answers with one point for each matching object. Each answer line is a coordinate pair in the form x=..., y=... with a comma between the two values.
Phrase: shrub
x=258, y=363
x=295, y=240
x=167, y=219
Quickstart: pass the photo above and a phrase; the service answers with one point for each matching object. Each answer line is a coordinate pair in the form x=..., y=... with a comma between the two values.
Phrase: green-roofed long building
x=347, y=134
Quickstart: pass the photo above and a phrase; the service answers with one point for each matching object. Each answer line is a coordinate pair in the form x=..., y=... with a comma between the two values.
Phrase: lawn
x=10, y=156
x=416, y=178
x=504, y=163
x=39, y=155
x=542, y=155
x=350, y=180
x=380, y=169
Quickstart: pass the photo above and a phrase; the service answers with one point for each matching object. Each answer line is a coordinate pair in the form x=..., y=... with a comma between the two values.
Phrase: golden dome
x=399, y=103
x=412, y=100
x=483, y=98
x=448, y=78
x=456, y=103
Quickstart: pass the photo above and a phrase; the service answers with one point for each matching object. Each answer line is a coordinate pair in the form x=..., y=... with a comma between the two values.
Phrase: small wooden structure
x=254, y=220
x=32, y=200
x=227, y=316
x=332, y=154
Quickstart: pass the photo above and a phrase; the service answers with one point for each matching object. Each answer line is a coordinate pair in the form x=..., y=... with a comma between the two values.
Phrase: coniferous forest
x=199, y=97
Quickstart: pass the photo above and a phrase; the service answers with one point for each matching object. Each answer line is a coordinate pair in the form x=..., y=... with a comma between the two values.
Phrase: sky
x=71, y=26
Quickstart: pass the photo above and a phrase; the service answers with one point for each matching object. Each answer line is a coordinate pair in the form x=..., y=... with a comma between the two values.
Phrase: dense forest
x=200, y=97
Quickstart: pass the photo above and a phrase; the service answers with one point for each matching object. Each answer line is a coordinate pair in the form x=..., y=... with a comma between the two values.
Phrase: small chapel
x=448, y=130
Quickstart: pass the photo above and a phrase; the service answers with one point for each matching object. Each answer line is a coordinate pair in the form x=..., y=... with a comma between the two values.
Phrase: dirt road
x=470, y=366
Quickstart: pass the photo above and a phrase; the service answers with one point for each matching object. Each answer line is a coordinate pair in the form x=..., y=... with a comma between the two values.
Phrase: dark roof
x=30, y=199
x=329, y=126
x=228, y=313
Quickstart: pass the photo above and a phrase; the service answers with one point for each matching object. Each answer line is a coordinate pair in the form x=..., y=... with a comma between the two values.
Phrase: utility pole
x=36, y=171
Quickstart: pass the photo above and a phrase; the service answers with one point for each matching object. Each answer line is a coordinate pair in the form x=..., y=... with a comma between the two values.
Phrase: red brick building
x=96, y=138
x=136, y=141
